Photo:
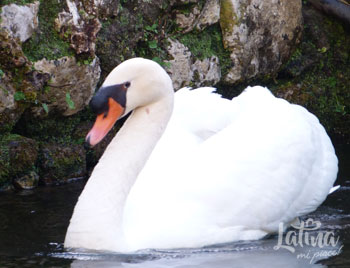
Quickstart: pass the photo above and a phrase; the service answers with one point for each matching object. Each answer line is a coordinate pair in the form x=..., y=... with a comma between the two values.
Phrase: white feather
x=229, y=170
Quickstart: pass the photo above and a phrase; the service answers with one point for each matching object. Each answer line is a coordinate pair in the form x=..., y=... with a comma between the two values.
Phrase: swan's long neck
x=98, y=216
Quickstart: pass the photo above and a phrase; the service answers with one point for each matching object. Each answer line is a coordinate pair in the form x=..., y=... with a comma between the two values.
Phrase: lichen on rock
x=102, y=8
x=17, y=80
x=260, y=35
x=206, y=72
x=198, y=17
x=71, y=86
x=210, y=14
x=180, y=66
x=185, y=70
x=187, y=21
x=10, y=111
x=78, y=27
x=20, y=21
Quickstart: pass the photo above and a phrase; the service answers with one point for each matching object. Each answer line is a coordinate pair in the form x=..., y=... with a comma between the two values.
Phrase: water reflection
x=241, y=260
x=260, y=253
x=33, y=225
x=251, y=254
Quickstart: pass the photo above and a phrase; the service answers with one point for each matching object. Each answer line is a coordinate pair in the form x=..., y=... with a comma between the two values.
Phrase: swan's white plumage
x=266, y=162
x=223, y=170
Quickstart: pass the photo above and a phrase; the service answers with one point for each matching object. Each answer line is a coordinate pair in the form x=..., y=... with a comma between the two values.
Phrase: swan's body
x=223, y=170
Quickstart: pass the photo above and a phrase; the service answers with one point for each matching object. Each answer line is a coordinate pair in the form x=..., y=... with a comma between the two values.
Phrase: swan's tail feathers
x=333, y=189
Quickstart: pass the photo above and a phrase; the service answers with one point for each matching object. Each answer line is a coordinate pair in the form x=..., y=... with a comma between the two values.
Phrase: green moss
x=52, y=129
x=117, y=41
x=152, y=46
x=14, y=64
x=17, y=2
x=47, y=43
x=58, y=163
x=5, y=167
x=17, y=156
x=206, y=44
x=228, y=17
x=188, y=8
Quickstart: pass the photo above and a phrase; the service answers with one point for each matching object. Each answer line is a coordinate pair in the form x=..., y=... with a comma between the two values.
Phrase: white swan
x=222, y=171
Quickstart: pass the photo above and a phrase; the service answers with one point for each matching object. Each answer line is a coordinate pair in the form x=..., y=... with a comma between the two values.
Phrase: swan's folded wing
x=201, y=111
x=273, y=163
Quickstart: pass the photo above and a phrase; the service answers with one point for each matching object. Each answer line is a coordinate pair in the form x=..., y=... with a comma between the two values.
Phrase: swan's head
x=134, y=83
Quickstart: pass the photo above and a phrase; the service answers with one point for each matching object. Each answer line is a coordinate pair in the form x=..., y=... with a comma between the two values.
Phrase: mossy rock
x=134, y=32
x=55, y=128
x=18, y=156
x=117, y=40
x=47, y=43
x=19, y=83
x=206, y=44
x=59, y=163
x=17, y=2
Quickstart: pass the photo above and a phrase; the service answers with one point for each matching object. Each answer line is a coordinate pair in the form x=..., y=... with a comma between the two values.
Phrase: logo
x=308, y=235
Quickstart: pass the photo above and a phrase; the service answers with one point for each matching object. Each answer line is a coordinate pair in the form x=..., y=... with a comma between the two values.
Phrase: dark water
x=33, y=225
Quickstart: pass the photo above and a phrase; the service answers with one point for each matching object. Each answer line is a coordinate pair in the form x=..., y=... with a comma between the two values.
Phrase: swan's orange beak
x=104, y=122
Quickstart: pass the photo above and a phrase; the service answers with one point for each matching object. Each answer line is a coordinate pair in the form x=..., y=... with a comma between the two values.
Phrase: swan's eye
x=127, y=84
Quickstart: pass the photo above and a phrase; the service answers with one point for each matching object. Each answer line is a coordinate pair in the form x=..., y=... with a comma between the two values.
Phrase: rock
x=79, y=28
x=128, y=34
x=60, y=163
x=18, y=156
x=337, y=8
x=182, y=2
x=185, y=71
x=180, y=66
x=187, y=21
x=7, y=92
x=19, y=83
x=102, y=8
x=199, y=19
x=206, y=72
x=260, y=35
x=13, y=102
x=23, y=153
x=27, y=182
x=5, y=168
x=10, y=111
x=20, y=21
x=11, y=54
x=209, y=15
x=302, y=62
x=295, y=94
x=146, y=11
x=71, y=86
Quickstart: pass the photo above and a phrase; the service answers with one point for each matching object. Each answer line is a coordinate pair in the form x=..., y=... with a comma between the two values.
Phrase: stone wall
x=55, y=53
